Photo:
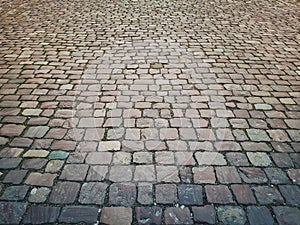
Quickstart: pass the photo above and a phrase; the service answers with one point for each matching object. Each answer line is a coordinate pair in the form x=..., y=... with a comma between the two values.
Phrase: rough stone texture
x=231, y=215
x=218, y=194
x=205, y=214
x=13, y=212
x=287, y=215
x=163, y=96
x=39, y=195
x=178, y=216
x=79, y=214
x=122, y=194
x=166, y=193
x=40, y=179
x=190, y=194
x=259, y=215
x=149, y=215
x=41, y=214
x=116, y=216
x=64, y=193
x=93, y=193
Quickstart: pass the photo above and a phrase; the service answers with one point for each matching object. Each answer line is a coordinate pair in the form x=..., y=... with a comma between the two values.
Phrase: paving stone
x=178, y=216
x=54, y=166
x=263, y=107
x=15, y=193
x=259, y=215
x=145, y=193
x=14, y=212
x=259, y=158
x=104, y=158
x=64, y=193
x=189, y=194
x=184, y=158
x=10, y=130
x=97, y=173
x=228, y=174
x=243, y=194
x=109, y=146
x=253, y=175
x=63, y=145
x=237, y=159
x=167, y=174
x=286, y=215
x=294, y=175
x=210, y=158
x=258, y=135
x=252, y=146
x=15, y=176
x=232, y=215
x=11, y=152
x=36, y=132
x=36, y=153
x=131, y=146
x=58, y=155
x=116, y=216
x=149, y=215
x=204, y=214
x=144, y=173
x=166, y=193
x=39, y=195
x=168, y=133
x=121, y=173
x=164, y=157
x=34, y=163
x=79, y=214
x=218, y=194
x=282, y=160
x=40, y=179
x=41, y=214
x=9, y=163
x=291, y=194
x=204, y=175
x=142, y=157
x=75, y=172
x=277, y=176
x=122, y=194
x=268, y=195
x=92, y=193
x=121, y=158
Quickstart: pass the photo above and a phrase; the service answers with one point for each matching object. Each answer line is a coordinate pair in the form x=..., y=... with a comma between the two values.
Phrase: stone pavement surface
x=149, y=112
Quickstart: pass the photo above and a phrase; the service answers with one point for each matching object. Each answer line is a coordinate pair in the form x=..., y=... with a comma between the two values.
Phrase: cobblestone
x=149, y=112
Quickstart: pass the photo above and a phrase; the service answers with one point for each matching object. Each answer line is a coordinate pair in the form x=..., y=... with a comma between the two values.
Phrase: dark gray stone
x=287, y=215
x=41, y=214
x=205, y=214
x=291, y=193
x=231, y=215
x=189, y=194
x=12, y=212
x=15, y=193
x=259, y=215
x=149, y=215
x=79, y=214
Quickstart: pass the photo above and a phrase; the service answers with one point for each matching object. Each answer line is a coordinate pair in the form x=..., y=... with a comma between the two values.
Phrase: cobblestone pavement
x=149, y=112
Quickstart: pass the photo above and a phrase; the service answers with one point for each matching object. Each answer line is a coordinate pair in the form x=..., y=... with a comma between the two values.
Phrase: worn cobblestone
x=149, y=112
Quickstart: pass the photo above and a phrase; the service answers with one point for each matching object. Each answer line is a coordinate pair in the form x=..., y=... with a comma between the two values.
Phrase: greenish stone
x=58, y=155
x=263, y=106
x=231, y=215
x=258, y=135
x=259, y=158
x=39, y=195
